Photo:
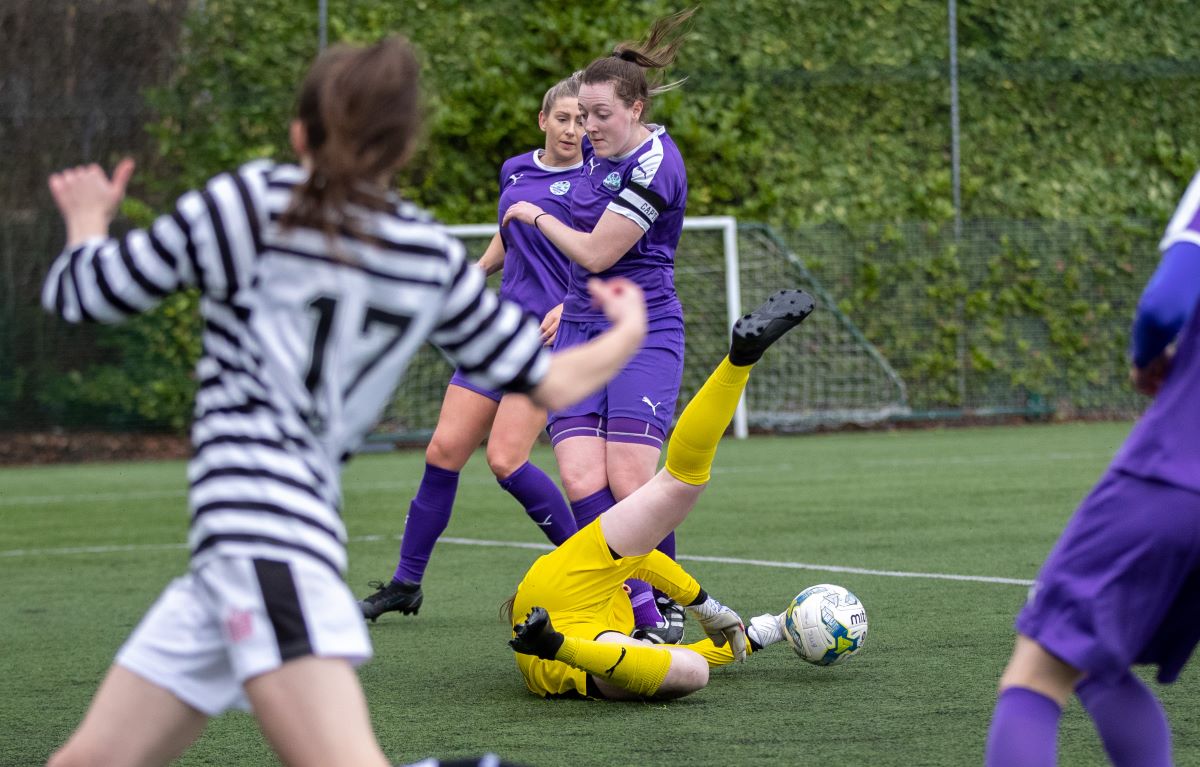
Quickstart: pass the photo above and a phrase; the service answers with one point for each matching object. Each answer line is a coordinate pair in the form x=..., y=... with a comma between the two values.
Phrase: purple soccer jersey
x=649, y=187
x=1163, y=446
x=535, y=272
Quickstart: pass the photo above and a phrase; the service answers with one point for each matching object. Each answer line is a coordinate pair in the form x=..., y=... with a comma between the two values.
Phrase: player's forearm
x=584, y=248
x=492, y=259
x=85, y=226
x=97, y=281
x=581, y=370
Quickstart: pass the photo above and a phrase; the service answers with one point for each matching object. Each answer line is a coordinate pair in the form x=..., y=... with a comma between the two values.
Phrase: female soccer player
x=626, y=219
x=586, y=651
x=535, y=276
x=317, y=285
x=1122, y=585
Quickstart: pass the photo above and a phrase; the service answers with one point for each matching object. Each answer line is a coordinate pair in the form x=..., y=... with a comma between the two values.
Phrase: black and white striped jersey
x=305, y=338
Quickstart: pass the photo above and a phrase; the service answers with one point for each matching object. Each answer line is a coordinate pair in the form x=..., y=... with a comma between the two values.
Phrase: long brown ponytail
x=360, y=108
x=626, y=67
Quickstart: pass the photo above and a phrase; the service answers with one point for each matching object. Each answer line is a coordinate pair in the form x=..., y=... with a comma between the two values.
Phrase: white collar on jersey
x=655, y=130
x=537, y=160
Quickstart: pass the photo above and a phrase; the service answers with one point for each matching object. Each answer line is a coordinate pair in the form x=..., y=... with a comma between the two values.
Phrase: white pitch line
x=773, y=563
x=982, y=460
x=858, y=570
x=67, y=550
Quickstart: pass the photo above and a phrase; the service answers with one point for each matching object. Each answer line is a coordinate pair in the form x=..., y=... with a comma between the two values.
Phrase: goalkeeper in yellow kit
x=574, y=640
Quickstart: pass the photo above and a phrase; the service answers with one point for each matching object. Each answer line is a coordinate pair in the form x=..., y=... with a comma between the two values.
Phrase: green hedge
x=830, y=113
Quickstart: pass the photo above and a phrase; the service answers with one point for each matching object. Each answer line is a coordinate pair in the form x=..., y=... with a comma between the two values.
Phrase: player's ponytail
x=360, y=108
x=507, y=607
x=626, y=67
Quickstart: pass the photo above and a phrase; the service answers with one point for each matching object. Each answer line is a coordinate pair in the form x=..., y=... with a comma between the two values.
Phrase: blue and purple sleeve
x=1167, y=302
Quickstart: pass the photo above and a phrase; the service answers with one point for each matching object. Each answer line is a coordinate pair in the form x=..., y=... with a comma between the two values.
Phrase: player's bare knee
x=624, y=480
x=688, y=674
x=697, y=678
x=1034, y=668
x=445, y=454
x=700, y=673
x=503, y=460
x=579, y=485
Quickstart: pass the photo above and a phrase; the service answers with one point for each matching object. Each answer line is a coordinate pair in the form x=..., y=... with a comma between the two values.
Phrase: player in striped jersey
x=1121, y=587
x=626, y=219
x=317, y=286
x=535, y=276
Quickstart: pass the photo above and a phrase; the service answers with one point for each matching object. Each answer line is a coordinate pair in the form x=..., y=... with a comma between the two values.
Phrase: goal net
x=825, y=374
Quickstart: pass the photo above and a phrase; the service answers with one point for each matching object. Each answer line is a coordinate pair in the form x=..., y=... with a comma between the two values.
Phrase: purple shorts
x=458, y=379
x=642, y=395
x=1122, y=585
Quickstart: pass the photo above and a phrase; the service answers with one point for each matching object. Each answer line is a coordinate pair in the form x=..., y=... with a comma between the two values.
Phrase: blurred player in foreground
x=586, y=651
x=317, y=286
x=1122, y=585
x=535, y=276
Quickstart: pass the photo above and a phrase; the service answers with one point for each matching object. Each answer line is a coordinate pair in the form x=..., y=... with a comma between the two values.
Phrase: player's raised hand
x=88, y=199
x=722, y=625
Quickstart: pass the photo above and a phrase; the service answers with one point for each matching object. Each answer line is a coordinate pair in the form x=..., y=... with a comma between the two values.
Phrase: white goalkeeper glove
x=722, y=625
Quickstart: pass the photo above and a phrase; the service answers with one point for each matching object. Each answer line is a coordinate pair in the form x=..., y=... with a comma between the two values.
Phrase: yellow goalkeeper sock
x=716, y=656
x=693, y=444
x=640, y=669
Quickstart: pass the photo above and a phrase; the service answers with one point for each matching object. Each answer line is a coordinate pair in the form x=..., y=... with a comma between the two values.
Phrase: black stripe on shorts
x=283, y=608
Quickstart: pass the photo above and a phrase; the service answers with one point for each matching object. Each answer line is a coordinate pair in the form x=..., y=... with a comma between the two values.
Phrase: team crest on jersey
x=560, y=188
x=613, y=181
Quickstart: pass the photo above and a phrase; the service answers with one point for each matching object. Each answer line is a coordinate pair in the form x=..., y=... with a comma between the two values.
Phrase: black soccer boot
x=536, y=636
x=394, y=596
x=753, y=333
x=672, y=633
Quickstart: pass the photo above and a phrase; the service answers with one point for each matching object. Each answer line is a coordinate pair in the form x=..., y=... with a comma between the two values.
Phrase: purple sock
x=542, y=500
x=1024, y=731
x=668, y=545
x=428, y=515
x=1130, y=721
x=587, y=509
x=645, y=611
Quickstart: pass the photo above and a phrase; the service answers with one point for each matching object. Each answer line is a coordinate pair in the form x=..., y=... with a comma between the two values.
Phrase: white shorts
x=235, y=618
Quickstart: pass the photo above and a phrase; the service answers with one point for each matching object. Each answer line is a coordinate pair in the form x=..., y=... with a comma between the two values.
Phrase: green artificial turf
x=84, y=550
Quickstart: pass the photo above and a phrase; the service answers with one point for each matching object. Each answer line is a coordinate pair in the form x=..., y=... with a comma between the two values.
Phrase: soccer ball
x=825, y=624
